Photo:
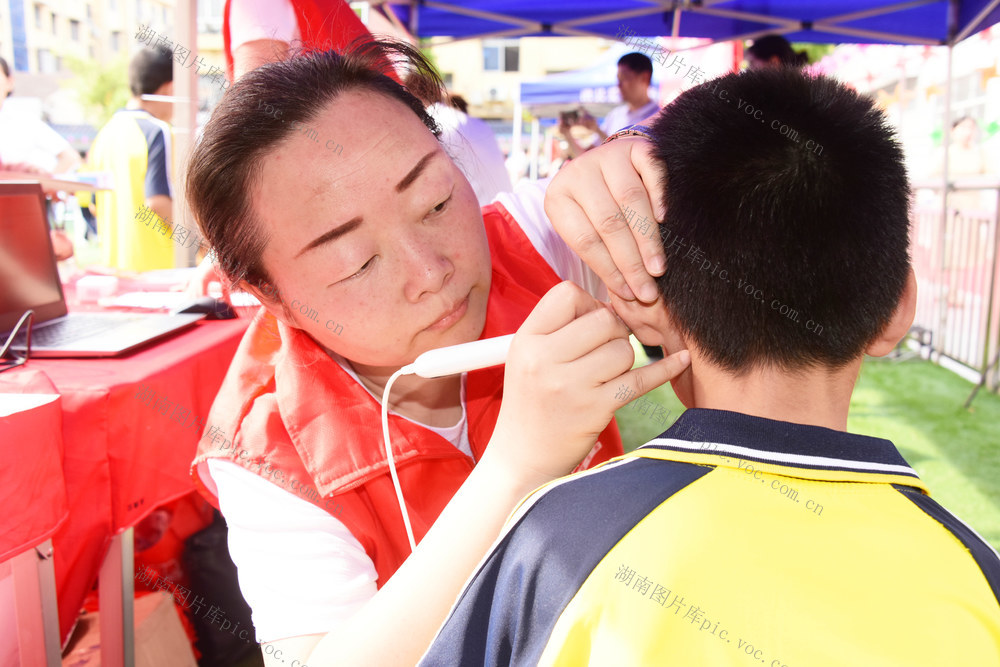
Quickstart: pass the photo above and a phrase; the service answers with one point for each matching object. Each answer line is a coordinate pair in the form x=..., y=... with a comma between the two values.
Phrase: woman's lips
x=451, y=317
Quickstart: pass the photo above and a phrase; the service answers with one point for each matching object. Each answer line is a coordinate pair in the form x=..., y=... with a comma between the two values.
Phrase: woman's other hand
x=607, y=205
x=569, y=365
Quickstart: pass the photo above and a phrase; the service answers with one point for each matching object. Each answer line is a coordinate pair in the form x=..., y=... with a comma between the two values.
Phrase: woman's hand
x=566, y=367
x=588, y=202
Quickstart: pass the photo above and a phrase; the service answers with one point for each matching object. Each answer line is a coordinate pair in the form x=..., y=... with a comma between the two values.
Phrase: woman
x=364, y=258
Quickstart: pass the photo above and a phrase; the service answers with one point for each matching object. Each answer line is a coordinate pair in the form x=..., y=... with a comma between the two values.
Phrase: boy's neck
x=818, y=397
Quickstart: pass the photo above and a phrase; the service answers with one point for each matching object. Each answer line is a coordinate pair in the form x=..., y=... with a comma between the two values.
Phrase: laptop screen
x=28, y=276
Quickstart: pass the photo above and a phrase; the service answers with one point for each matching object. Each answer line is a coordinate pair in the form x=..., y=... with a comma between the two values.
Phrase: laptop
x=29, y=280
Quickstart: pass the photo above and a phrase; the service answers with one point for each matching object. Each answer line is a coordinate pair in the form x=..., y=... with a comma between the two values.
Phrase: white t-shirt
x=472, y=145
x=620, y=116
x=300, y=568
x=26, y=139
x=250, y=20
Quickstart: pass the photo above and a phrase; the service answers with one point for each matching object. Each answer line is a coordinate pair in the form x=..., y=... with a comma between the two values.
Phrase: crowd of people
x=413, y=238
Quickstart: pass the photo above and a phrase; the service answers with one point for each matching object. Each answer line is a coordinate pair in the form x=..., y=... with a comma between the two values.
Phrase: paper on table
x=13, y=403
x=168, y=300
x=147, y=300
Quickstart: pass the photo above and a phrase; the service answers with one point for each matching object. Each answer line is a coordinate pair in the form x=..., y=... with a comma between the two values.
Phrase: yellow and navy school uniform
x=733, y=540
x=134, y=147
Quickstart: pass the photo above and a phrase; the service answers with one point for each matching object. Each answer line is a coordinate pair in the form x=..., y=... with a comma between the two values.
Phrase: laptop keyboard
x=81, y=325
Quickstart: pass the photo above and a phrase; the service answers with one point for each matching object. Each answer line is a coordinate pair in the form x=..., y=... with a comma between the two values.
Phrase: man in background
x=635, y=72
x=134, y=146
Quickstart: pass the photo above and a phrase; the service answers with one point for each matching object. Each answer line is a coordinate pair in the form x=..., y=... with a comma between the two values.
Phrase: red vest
x=288, y=412
x=323, y=25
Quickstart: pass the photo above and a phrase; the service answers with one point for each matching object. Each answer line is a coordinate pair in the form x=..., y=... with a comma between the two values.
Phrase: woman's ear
x=270, y=298
x=900, y=322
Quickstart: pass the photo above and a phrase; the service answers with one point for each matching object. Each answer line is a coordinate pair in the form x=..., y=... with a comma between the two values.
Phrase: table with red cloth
x=125, y=451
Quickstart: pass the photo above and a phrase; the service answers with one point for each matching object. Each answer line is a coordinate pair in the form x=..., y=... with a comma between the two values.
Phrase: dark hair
x=425, y=89
x=824, y=234
x=459, y=103
x=6, y=72
x=150, y=68
x=769, y=46
x=637, y=62
x=225, y=165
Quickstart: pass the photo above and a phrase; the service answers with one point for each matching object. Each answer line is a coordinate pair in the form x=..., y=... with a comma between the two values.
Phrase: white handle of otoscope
x=463, y=357
x=433, y=364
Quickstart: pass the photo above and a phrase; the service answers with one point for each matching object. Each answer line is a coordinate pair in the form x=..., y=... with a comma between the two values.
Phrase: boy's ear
x=900, y=323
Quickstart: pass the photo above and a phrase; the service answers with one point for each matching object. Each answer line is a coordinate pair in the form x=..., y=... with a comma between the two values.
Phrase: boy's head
x=151, y=72
x=787, y=221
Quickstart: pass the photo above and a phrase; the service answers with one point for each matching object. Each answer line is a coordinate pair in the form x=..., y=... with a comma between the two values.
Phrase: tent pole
x=533, y=159
x=943, y=290
x=515, y=139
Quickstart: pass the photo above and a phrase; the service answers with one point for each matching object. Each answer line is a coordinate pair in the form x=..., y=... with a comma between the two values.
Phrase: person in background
x=25, y=140
x=635, y=72
x=29, y=148
x=255, y=32
x=774, y=51
x=468, y=141
x=134, y=146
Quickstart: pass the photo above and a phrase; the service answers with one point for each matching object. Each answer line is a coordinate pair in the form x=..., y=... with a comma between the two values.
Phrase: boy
x=755, y=529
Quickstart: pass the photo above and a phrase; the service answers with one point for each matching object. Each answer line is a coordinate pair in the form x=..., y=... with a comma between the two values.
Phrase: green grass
x=918, y=406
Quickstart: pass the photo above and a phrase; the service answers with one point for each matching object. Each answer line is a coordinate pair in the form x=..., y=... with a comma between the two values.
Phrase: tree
x=101, y=89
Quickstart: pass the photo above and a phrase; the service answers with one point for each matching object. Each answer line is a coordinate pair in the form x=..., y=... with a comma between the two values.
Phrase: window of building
x=116, y=38
x=501, y=55
x=210, y=15
x=74, y=30
x=46, y=62
x=53, y=17
x=38, y=17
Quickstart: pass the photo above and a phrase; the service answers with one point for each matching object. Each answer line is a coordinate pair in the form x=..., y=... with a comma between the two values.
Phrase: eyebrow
x=332, y=235
x=416, y=171
x=354, y=223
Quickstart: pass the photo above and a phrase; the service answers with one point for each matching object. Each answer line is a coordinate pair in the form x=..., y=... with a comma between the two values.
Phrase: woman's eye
x=440, y=207
x=363, y=268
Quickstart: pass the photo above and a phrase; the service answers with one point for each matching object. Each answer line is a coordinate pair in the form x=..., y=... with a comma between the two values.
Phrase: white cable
x=443, y=361
x=405, y=370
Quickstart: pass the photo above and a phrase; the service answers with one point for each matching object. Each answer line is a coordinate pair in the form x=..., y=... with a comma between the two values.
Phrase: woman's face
x=378, y=249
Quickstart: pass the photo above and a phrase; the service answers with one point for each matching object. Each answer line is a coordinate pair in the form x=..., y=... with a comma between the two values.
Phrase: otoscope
x=434, y=364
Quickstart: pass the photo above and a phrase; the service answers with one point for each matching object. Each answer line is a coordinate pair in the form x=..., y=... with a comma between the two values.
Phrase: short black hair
x=637, y=62
x=768, y=46
x=824, y=235
x=150, y=68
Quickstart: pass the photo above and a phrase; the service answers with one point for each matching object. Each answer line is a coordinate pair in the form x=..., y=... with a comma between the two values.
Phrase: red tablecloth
x=32, y=489
x=125, y=455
